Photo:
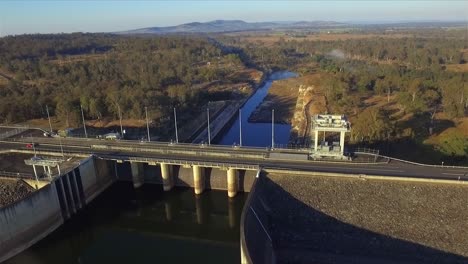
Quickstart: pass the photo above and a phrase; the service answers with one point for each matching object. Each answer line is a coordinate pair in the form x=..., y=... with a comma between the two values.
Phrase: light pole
x=61, y=147
x=48, y=116
x=32, y=144
x=147, y=124
x=240, y=127
x=175, y=125
x=209, y=132
x=120, y=117
x=273, y=128
x=84, y=124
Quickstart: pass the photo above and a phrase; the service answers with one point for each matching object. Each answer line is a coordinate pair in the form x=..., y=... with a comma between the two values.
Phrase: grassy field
x=269, y=39
x=458, y=67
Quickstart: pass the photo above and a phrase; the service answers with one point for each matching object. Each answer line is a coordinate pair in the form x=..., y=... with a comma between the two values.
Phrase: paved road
x=247, y=156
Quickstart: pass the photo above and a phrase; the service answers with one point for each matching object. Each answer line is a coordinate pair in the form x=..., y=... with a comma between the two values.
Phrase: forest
x=417, y=71
x=104, y=73
x=423, y=93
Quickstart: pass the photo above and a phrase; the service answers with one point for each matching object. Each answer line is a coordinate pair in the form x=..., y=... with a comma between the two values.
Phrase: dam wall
x=27, y=221
x=32, y=218
x=256, y=241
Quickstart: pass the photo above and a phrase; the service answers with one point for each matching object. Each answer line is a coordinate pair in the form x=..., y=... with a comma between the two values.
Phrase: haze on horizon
x=20, y=17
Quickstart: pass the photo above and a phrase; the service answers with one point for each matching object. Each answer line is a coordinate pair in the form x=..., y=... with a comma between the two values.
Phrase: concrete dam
x=29, y=220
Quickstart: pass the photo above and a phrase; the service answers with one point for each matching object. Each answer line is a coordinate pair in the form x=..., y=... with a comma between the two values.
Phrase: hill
x=218, y=26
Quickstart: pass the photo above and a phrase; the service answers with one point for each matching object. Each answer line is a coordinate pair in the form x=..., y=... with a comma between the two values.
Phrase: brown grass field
x=270, y=39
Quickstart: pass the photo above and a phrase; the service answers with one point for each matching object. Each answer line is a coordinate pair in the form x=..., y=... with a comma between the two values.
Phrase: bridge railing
x=199, y=163
x=13, y=132
x=17, y=175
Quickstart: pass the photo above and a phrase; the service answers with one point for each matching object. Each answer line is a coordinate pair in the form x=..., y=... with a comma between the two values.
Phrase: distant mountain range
x=218, y=26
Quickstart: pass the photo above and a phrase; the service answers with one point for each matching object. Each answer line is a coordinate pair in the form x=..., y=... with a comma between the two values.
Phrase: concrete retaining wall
x=96, y=175
x=29, y=220
x=256, y=242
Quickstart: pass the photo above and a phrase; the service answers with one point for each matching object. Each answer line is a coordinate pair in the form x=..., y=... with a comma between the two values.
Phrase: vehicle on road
x=31, y=145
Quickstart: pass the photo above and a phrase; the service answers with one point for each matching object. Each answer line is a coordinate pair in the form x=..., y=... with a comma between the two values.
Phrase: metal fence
x=16, y=175
x=12, y=132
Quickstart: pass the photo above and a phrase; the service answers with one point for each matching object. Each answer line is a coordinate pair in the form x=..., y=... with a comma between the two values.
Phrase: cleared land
x=271, y=39
x=343, y=220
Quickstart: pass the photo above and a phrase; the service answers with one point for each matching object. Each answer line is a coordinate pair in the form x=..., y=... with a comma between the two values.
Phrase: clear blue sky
x=18, y=17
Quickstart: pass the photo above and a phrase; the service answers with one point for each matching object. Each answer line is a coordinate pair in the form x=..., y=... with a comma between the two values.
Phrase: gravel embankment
x=13, y=190
x=342, y=220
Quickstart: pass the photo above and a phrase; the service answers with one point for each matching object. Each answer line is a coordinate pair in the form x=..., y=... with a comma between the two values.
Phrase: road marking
x=455, y=174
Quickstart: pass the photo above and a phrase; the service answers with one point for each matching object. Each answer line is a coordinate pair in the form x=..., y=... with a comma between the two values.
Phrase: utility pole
x=175, y=124
x=120, y=117
x=147, y=123
x=48, y=116
x=84, y=124
x=273, y=128
x=209, y=132
x=240, y=127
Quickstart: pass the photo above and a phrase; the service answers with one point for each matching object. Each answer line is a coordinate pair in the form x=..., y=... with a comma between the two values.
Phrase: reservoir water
x=257, y=134
x=147, y=225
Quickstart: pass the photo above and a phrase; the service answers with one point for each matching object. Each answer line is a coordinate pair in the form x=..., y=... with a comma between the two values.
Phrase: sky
x=21, y=16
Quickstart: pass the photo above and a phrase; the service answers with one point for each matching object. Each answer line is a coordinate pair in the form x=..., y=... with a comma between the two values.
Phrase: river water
x=123, y=225
x=257, y=134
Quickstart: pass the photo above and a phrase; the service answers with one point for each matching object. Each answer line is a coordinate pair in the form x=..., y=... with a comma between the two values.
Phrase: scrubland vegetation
x=406, y=90
x=407, y=86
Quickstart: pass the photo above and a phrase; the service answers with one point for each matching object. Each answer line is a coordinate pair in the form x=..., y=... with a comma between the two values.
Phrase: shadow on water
x=303, y=234
x=257, y=134
x=147, y=225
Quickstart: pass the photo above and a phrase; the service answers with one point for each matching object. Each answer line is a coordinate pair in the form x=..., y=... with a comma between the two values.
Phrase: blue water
x=258, y=134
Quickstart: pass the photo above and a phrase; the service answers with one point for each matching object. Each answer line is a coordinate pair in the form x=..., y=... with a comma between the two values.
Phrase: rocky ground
x=341, y=220
x=12, y=190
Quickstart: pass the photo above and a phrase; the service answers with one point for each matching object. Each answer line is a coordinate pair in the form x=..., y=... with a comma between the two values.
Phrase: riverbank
x=294, y=100
x=255, y=134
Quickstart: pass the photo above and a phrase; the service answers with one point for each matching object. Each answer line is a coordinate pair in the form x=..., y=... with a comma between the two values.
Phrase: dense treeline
x=105, y=73
x=410, y=71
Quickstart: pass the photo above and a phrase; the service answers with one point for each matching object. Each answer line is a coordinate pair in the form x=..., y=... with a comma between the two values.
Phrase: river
x=257, y=134
x=147, y=225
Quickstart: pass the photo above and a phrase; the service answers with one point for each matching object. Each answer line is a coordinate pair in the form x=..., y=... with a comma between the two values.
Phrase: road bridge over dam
x=64, y=193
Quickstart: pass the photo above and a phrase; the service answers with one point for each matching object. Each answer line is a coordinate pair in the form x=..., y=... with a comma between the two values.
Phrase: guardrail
x=13, y=132
x=416, y=163
x=20, y=175
x=133, y=145
x=200, y=163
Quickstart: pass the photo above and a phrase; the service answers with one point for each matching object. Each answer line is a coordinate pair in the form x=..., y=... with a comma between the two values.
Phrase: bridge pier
x=137, y=174
x=232, y=182
x=198, y=179
x=167, y=177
